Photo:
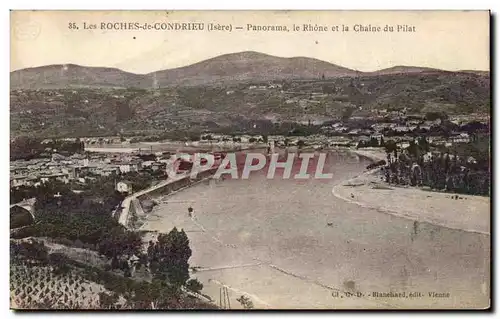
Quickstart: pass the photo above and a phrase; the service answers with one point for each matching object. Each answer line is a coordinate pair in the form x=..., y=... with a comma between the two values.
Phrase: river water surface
x=293, y=244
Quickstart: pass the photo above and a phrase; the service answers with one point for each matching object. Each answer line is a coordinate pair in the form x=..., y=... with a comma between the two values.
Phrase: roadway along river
x=292, y=244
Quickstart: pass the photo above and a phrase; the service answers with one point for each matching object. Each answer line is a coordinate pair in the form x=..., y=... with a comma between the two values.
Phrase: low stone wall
x=131, y=206
x=136, y=207
x=176, y=185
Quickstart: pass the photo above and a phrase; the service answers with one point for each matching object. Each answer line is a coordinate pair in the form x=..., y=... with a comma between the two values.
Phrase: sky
x=449, y=40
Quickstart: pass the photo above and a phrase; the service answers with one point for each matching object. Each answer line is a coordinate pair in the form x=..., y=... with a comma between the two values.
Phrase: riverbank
x=468, y=213
x=174, y=184
x=302, y=245
x=372, y=153
x=133, y=201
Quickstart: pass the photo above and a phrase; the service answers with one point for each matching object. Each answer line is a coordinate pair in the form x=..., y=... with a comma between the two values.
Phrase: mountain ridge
x=239, y=66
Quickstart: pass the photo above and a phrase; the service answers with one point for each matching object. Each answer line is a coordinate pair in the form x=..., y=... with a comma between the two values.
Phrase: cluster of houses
x=407, y=127
x=350, y=139
x=82, y=168
x=403, y=132
x=78, y=167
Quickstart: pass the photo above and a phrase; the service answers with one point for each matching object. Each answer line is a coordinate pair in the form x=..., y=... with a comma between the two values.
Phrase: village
x=106, y=156
x=81, y=168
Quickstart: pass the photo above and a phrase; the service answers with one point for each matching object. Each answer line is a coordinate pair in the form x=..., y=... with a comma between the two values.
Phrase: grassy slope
x=106, y=112
x=38, y=286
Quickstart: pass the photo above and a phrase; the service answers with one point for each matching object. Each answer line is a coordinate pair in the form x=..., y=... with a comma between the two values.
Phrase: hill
x=72, y=75
x=245, y=66
x=232, y=67
x=401, y=69
x=227, y=68
x=478, y=72
x=98, y=112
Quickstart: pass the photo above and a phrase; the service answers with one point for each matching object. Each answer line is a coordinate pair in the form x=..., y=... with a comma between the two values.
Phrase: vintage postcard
x=250, y=160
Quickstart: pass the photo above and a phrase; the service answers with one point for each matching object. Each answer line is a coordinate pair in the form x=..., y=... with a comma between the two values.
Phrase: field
x=39, y=288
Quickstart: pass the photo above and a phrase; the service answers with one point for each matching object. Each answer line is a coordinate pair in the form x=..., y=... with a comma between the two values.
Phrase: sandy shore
x=374, y=154
x=468, y=213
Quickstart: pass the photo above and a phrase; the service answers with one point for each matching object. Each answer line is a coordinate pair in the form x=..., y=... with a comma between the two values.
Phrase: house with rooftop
x=460, y=138
x=62, y=177
x=124, y=187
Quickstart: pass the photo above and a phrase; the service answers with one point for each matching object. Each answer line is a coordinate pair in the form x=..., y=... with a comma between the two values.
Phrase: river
x=291, y=244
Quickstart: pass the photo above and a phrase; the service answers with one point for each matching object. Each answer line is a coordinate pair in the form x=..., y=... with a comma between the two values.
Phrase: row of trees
x=372, y=142
x=167, y=261
x=448, y=170
x=28, y=147
x=236, y=139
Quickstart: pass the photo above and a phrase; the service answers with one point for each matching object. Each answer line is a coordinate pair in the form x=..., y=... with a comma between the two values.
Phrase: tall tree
x=170, y=262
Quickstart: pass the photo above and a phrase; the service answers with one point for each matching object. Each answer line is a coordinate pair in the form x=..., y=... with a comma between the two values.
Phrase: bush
x=127, y=273
x=245, y=302
x=20, y=217
x=194, y=285
x=28, y=231
x=59, y=262
x=34, y=250
x=376, y=164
